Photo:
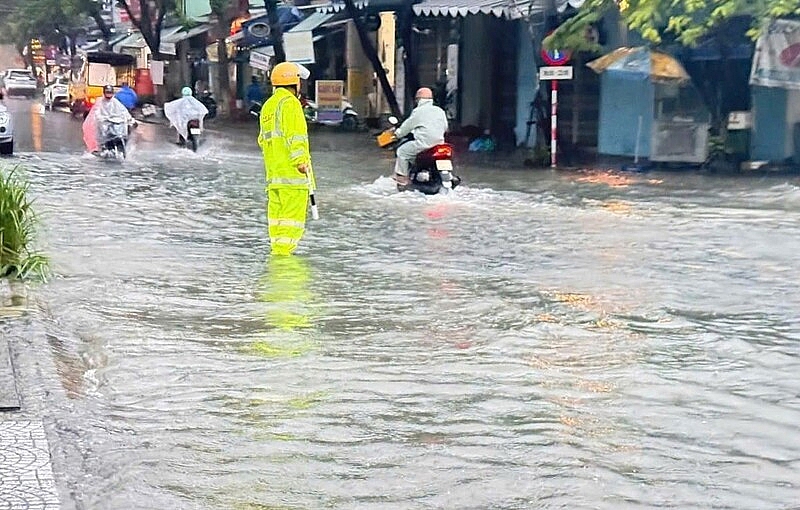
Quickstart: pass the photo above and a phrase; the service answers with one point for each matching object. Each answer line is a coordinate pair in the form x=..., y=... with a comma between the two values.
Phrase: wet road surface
x=537, y=339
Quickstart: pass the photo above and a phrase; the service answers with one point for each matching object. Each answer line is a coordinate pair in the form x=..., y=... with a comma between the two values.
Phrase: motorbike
x=255, y=108
x=432, y=169
x=209, y=102
x=113, y=140
x=349, y=120
x=194, y=131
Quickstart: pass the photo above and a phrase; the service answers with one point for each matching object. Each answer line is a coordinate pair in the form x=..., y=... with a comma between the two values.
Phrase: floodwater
x=536, y=339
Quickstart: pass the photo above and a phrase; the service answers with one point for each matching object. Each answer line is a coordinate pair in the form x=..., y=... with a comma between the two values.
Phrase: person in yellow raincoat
x=284, y=143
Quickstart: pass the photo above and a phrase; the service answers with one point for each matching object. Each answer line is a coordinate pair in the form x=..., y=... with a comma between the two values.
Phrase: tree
x=684, y=21
x=36, y=19
x=225, y=12
x=49, y=20
x=148, y=17
x=92, y=9
x=276, y=30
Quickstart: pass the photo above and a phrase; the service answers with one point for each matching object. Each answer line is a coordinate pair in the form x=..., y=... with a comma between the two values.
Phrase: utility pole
x=275, y=30
x=372, y=55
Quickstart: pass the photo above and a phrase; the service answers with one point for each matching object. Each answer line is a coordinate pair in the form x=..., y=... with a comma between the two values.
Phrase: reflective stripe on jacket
x=284, y=140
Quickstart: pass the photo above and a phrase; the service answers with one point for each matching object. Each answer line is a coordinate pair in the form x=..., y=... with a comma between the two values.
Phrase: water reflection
x=36, y=126
x=285, y=290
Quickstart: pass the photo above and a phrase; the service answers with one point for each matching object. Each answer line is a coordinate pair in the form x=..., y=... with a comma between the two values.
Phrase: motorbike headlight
x=3, y=117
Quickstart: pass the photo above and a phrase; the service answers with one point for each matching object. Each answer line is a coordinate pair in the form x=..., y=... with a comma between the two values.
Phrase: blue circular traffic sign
x=556, y=57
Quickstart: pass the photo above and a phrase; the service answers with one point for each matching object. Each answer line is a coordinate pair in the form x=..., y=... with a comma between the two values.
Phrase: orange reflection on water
x=36, y=126
x=617, y=207
x=607, y=177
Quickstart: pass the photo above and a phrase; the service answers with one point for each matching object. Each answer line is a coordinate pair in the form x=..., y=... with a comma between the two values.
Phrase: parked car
x=6, y=131
x=20, y=82
x=57, y=92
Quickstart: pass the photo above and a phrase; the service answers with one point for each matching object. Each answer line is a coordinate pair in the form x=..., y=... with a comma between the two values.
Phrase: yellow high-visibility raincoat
x=284, y=143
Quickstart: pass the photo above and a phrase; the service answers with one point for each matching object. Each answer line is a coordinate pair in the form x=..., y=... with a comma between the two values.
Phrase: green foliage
x=538, y=156
x=219, y=7
x=685, y=21
x=17, y=225
x=22, y=20
x=150, y=19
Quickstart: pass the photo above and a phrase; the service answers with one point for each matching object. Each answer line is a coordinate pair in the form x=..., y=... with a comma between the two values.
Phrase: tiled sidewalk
x=26, y=475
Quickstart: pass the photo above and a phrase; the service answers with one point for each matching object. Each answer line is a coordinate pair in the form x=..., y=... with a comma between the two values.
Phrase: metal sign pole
x=556, y=59
x=553, y=122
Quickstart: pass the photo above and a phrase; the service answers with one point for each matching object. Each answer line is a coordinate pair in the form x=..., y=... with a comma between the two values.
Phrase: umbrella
x=641, y=63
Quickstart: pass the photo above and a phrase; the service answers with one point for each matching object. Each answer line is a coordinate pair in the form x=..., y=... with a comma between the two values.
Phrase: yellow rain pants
x=284, y=143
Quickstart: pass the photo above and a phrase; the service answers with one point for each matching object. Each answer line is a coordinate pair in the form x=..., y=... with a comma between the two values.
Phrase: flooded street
x=536, y=339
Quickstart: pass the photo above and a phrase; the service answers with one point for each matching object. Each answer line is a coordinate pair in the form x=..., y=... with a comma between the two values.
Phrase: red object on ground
x=144, y=83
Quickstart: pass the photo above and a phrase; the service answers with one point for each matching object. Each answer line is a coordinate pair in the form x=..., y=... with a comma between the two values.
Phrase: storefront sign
x=260, y=59
x=777, y=57
x=329, y=100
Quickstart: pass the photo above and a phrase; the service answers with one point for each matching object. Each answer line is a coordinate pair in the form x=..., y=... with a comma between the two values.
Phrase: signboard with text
x=329, y=100
x=555, y=73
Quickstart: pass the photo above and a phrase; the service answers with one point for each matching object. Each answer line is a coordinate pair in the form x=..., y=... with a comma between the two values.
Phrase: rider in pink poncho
x=107, y=114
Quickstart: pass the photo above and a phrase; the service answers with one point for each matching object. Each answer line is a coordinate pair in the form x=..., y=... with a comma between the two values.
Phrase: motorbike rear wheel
x=350, y=123
x=193, y=143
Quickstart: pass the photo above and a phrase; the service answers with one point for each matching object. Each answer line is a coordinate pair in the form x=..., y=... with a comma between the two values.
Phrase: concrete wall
x=775, y=113
x=527, y=84
x=622, y=101
x=359, y=70
x=770, y=133
x=475, y=83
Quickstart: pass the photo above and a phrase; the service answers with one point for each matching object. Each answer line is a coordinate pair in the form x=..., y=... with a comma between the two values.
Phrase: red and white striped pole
x=553, y=122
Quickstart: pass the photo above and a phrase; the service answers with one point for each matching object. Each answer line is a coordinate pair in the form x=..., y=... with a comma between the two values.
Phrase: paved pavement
x=26, y=473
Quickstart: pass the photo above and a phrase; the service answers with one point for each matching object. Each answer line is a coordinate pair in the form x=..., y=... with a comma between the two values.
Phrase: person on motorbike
x=127, y=96
x=254, y=92
x=182, y=110
x=428, y=124
x=107, y=118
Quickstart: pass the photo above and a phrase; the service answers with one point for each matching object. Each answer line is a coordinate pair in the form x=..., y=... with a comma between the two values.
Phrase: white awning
x=181, y=35
x=511, y=9
x=338, y=5
x=134, y=40
x=313, y=21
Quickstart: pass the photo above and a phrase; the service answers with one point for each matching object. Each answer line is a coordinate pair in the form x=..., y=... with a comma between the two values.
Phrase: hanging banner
x=299, y=47
x=400, y=77
x=776, y=62
x=329, y=100
x=451, y=102
x=157, y=72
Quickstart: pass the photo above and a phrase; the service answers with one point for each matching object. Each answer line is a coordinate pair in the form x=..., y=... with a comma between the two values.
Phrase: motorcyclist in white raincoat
x=108, y=117
x=428, y=124
x=180, y=111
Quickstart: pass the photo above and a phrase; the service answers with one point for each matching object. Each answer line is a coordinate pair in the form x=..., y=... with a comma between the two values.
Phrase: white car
x=57, y=92
x=20, y=82
x=6, y=131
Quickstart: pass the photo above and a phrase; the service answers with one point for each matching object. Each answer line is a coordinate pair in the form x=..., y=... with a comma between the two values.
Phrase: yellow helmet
x=285, y=73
